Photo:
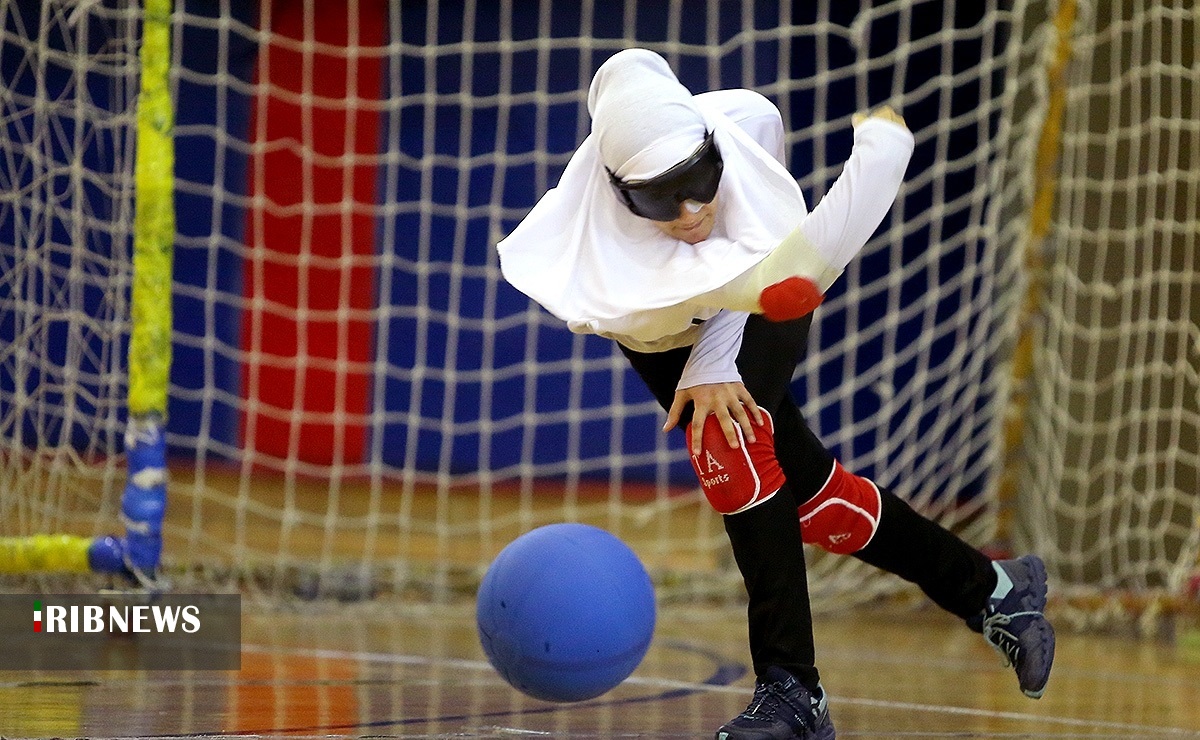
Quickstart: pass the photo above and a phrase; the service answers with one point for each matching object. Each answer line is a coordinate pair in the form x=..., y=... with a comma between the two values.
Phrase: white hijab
x=582, y=255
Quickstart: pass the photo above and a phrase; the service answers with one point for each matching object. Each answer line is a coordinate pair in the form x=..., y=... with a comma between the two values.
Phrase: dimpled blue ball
x=565, y=612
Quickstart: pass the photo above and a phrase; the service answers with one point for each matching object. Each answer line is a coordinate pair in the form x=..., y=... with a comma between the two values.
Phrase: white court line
x=662, y=683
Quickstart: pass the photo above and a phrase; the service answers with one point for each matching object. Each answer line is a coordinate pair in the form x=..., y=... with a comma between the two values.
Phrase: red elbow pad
x=790, y=299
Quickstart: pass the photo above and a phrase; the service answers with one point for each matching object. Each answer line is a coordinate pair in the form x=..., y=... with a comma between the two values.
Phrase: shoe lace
x=1002, y=640
x=763, y=704
x=768, y=698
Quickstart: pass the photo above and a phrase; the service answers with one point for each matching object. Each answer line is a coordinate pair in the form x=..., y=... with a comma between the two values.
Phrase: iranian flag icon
x=37, y=616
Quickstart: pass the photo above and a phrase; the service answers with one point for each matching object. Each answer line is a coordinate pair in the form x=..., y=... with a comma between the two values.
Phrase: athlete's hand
x=884, y=111
x=732, y=404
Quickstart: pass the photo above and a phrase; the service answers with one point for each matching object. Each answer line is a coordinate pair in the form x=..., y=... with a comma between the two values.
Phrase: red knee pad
x=844, y=514
x=737, y=479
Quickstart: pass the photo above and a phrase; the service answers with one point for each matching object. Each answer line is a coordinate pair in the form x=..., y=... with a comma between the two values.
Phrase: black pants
x=766, y=539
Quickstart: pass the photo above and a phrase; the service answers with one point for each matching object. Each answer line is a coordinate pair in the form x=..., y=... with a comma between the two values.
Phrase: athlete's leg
x=765, y=539
x=955, y=575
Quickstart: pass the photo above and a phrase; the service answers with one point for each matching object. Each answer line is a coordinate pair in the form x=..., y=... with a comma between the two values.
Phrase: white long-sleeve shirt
x=586, y=259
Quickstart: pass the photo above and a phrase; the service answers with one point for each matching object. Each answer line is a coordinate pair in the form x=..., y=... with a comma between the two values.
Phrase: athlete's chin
x=696, y=234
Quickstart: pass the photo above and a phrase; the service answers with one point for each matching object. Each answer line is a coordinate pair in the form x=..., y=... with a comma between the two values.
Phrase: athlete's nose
x=689, y=212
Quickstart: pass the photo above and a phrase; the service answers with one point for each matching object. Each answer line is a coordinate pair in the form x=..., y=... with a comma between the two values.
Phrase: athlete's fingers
x=887, y=113
x=732, y=404
x=743, y=420
x=675, y=412
x=728, y=426
x=723, y=402
x=697, y=427
x=747, y=399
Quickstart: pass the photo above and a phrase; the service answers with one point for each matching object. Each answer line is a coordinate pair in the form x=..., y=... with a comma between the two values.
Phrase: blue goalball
x=565, y=612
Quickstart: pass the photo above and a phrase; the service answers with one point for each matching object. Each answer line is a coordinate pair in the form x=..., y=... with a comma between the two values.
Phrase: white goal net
x=359, y=403
x=1110, y=469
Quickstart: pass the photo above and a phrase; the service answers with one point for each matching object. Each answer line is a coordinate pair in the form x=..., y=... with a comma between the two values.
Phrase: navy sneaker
x=782, y=709
x=1015, y=626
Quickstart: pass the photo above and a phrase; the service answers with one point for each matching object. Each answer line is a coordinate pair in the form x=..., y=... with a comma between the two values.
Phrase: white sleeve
x=714, y=355
x=837, y=229
x=854, y=207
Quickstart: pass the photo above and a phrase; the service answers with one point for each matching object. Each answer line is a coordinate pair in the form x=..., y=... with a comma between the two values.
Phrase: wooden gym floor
x=413, y=671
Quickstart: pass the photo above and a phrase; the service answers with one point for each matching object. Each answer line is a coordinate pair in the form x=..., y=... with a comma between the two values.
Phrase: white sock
x=1004, y=584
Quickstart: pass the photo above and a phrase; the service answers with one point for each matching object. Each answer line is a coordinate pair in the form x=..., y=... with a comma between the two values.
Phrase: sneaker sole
x=1047, y=637
x=1037, y=570
x=827, y=733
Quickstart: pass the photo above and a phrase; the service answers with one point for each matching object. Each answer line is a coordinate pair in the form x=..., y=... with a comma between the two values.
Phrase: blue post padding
x=107, y=555
x=145, y=498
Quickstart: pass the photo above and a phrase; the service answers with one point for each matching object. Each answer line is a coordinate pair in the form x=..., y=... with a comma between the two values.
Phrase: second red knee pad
x=843, y=516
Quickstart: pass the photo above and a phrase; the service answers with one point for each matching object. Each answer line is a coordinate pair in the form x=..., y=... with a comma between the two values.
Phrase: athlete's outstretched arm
x=791, y=281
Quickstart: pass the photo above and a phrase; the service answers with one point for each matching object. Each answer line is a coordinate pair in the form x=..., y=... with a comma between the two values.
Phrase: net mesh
x=1111, y=465
x=66, y=214
x=360, y=403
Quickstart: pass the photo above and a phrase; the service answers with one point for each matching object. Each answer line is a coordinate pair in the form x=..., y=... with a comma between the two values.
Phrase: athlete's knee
x=843, y=516
x=737, y=479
